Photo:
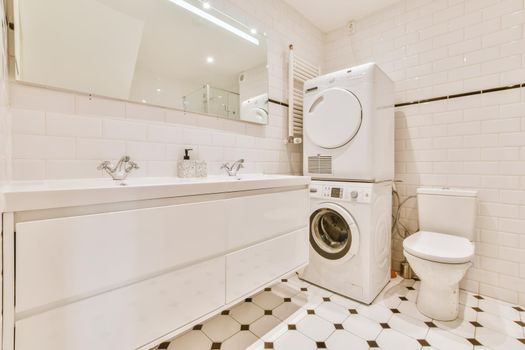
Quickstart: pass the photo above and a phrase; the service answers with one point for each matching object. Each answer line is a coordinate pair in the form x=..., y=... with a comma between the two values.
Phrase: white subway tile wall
x=60, y=135
x=434, y=48
x=429, y=47
x=5, y=126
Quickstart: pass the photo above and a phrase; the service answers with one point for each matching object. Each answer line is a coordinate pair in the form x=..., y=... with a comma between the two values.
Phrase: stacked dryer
x=349, y=153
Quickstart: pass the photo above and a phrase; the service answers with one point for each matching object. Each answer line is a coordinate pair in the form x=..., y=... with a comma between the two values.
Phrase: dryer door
x=333, y=118
x=333, y=232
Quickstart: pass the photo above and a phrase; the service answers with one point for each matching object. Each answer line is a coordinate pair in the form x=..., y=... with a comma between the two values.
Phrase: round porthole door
x=334, y=118
x=333, y=232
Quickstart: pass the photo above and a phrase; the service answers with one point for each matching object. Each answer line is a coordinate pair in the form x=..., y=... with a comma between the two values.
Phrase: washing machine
x=348, y=124
x=350, y=238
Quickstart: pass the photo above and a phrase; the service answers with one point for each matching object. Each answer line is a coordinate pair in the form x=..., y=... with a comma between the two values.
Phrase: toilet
x=441, y=252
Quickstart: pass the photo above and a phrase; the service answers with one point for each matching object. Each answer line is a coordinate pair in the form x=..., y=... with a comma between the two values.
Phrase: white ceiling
x=328, y=15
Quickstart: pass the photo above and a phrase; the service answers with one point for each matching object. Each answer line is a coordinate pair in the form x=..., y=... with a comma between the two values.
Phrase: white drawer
x=129, y=317
x=78, y=256
x=259, y=217
x=251, y=268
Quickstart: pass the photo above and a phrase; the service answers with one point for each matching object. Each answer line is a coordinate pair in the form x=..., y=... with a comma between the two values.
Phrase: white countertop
x=34, y=195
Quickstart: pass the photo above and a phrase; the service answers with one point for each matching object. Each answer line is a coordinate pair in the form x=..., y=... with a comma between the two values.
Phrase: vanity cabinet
x=128, y=274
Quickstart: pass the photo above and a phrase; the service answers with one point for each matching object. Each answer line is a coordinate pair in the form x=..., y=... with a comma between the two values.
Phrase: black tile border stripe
x=464, y=94
x=278, y=102
x=440, y=98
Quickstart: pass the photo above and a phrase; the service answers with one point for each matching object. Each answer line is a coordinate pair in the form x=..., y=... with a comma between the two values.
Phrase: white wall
x=5, y=129
x=255, y=83
x=432, y=48
x=65, y=135
x=429, y=47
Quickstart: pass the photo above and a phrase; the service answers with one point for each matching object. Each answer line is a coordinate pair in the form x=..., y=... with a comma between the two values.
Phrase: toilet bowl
x=440, y=261
x=442, y=251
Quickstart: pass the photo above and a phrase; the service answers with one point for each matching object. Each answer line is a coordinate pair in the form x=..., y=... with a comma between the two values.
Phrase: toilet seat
x=439, y=247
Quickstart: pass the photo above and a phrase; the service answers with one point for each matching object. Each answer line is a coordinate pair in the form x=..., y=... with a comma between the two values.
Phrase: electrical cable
x=396, y=223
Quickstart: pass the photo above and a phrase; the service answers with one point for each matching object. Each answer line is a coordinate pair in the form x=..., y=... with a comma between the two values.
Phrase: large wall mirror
x=182, y=54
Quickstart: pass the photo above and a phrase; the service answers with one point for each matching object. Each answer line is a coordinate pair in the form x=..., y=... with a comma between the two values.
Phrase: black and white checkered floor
x=295, y=315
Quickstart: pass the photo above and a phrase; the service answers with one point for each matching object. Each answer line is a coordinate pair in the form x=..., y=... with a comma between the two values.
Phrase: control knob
x=354, y=194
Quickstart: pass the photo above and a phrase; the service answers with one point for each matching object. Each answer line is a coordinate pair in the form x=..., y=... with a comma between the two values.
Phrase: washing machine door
x=334, y=234
x=333, y=118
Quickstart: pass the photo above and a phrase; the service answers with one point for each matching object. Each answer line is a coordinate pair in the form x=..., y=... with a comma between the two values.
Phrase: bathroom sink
x=33, y=195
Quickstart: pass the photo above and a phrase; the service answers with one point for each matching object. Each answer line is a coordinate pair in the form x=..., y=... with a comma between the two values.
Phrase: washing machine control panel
x=344, y=192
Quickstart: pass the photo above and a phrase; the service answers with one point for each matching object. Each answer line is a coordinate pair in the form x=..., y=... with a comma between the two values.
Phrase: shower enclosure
x=212, y=100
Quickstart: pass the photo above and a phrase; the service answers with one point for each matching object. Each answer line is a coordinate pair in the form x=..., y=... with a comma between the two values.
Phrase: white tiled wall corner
x=437, y=48
x=64, y=135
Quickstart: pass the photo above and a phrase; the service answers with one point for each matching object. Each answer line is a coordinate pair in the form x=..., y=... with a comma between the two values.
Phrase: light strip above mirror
x=215, y=20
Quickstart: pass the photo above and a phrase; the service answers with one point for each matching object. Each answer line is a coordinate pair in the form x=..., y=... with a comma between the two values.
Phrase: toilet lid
x=439, y=247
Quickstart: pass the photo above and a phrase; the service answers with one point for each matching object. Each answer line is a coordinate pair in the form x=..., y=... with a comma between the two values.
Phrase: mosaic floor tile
x=193, y=340
x=267, y=300
x=246, y=313
x=286, y=310
x=409, y=308
x=390, y=339
x=497, y=341
x=500, y=325
x=332, y=312
x=284, y=290
x=408, y=325
x=264, y=325
x=341, y=340
x=376, y=312
x=315, y=327
x=294, y=340
x=500, y=309
x=220, y=328
x=363, y=327
x=239, y=341
x=442, y=339
x=459, y=327
x=306, y=300
x=284, y=317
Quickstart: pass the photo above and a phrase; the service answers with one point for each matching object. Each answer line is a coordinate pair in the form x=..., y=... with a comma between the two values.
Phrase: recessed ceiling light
x=253, y=31
x=159, y=90
x=210, y=59
x=206, y=5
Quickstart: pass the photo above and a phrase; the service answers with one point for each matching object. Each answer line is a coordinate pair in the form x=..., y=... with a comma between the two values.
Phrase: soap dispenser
x=186, y=167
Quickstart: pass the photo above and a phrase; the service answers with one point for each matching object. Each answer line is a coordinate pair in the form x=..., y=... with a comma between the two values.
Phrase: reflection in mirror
x=180, y=54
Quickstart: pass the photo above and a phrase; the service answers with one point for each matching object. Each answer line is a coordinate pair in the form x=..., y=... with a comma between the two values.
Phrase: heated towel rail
x=299, y=71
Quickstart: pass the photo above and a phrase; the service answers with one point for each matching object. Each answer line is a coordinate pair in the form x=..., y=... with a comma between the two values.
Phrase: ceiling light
x=210, y=59
x=253, y=31
x=206, y=5
x=159, y=90
x=216, y=21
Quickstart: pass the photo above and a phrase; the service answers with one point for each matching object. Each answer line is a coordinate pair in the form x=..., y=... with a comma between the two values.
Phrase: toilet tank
x=447, y=210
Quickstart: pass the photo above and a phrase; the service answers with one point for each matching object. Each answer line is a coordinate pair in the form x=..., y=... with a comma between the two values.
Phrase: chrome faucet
x=233, y=169
x=120, y=171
